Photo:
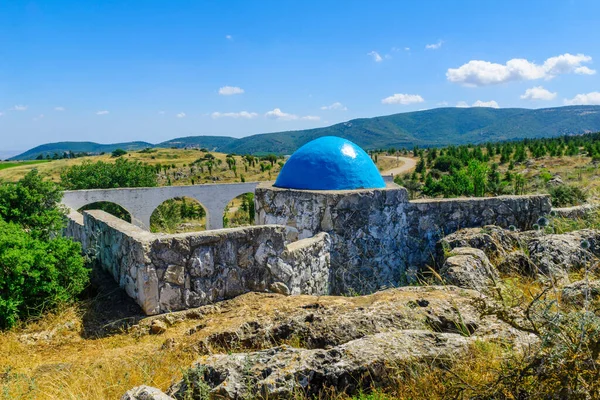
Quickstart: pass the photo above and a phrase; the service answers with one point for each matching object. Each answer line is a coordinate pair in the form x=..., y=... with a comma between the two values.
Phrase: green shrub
x=36, y=274
x=32, y=203
x=100, y=175
x=566, y=195
x=447, y=163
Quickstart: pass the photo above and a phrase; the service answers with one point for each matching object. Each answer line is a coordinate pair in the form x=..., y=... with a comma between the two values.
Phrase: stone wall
x=173, y=272
x=378, y=237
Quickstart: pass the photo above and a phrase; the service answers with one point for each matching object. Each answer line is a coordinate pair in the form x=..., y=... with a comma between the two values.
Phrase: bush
x=32, y=203
x=36, y=274
x=118, y=153
x=565, y=195
x=101, y=175
x=447, y=163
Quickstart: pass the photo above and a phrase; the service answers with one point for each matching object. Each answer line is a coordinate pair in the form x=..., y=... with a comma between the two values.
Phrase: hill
x=78, y=147
x=436, y=127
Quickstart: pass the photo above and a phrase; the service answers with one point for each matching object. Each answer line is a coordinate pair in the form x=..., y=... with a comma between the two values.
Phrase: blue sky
x=111, y=71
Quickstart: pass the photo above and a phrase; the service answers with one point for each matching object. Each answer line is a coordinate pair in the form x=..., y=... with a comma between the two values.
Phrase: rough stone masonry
x=379, y=238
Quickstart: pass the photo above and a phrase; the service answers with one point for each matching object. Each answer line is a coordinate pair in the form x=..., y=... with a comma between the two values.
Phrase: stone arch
x=110, y=207
x=240, y=211
x=179, y=214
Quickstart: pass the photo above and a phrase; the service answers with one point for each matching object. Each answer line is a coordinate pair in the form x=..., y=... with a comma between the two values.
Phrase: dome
x=329, y=163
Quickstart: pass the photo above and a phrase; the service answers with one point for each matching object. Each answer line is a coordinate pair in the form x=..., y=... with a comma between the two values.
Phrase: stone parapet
x=173, y=272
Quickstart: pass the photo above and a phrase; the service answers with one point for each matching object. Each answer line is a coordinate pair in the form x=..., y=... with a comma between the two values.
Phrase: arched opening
x=178, y=215
x=239, y=211
x=111, y=208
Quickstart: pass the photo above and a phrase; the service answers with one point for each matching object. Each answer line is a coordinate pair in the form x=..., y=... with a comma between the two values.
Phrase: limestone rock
x=280, y=372
x=145, y=393
x=494, y=241
x=469, y=268
x=517, y=263
x=157, y=327
x=556, y=255
x=279, y=287
x=576, y=292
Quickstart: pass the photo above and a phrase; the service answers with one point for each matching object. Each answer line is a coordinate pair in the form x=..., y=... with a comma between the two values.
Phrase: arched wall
x=141, y=202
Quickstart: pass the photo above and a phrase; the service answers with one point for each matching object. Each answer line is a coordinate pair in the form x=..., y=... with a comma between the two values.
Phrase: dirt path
x=408, y=164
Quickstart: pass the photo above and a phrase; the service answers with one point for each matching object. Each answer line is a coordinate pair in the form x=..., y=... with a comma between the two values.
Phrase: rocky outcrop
x=279, y=372
x=469, y=268
x=530, y=253
x=578, y=292
x=145, y=393
x=346, y=343
x=557, y=255
x=494, y=241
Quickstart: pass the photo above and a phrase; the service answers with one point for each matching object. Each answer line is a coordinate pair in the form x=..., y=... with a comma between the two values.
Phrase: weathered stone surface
x=145, y=393
x=172, y=272
x=517, y=263
x=347, y=342
x=469, y=268
x=578, y=292
x=280, y=372
x=378, y=235
x=581, y=211
x=557, y=255
x=157, y=327
x=280, y=288
x=494, y=241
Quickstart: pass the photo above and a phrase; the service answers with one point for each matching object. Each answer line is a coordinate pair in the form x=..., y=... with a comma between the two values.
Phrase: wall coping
x=390, y=186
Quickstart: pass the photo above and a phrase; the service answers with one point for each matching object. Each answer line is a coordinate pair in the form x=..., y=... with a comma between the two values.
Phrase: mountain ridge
x=434, y=127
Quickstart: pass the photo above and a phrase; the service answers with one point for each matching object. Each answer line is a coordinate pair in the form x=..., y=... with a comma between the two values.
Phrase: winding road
x=408, y=165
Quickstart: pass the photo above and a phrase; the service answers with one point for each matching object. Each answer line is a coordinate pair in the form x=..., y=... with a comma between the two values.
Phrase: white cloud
x=241, y=114
x=161, y=113
x=401, y=98
x=584, y=71
x=230, y=90
x=276, y=113
x=312, y=118
x=376, y=56
x=538, y=93
x=478, y=103
x=434, y=46
x=228, y=37
x=39, y=117
x=1, y=114
x=59, y=109
x=407, y=49
x=103, y=112
x=19, y=107
x=491, y=103
x=442, y=104
x=592, y=98
x=335, y=106
x=483, y=73
x=180, y=115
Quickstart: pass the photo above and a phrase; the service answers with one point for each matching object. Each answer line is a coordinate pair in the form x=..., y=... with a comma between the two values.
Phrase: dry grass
x=179, y=157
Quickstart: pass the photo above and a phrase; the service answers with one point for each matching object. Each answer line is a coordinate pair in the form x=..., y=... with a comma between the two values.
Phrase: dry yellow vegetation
x=180, y=161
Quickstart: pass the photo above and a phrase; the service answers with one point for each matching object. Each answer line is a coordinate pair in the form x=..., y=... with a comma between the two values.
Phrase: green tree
x=101, y=175
x=118, y=153
x=32, y=203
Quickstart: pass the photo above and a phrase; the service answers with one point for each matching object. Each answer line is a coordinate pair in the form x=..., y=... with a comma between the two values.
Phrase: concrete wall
x=141, y=202
x=378, y=237
x=173, y=272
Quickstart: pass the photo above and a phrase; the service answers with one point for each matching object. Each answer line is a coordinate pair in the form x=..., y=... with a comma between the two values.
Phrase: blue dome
x=329, y=163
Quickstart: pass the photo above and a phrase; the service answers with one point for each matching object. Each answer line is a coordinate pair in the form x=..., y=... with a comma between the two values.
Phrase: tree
x=32, y=203
x=100, y=175
x=118, y=153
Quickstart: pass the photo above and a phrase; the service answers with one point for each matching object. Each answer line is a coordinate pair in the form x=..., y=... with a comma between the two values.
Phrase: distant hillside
x=437, y=127
x=212, y=143
x=78, y=147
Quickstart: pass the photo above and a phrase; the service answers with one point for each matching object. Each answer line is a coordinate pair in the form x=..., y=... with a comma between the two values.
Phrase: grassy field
x=180, y=171
x=6, y=164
